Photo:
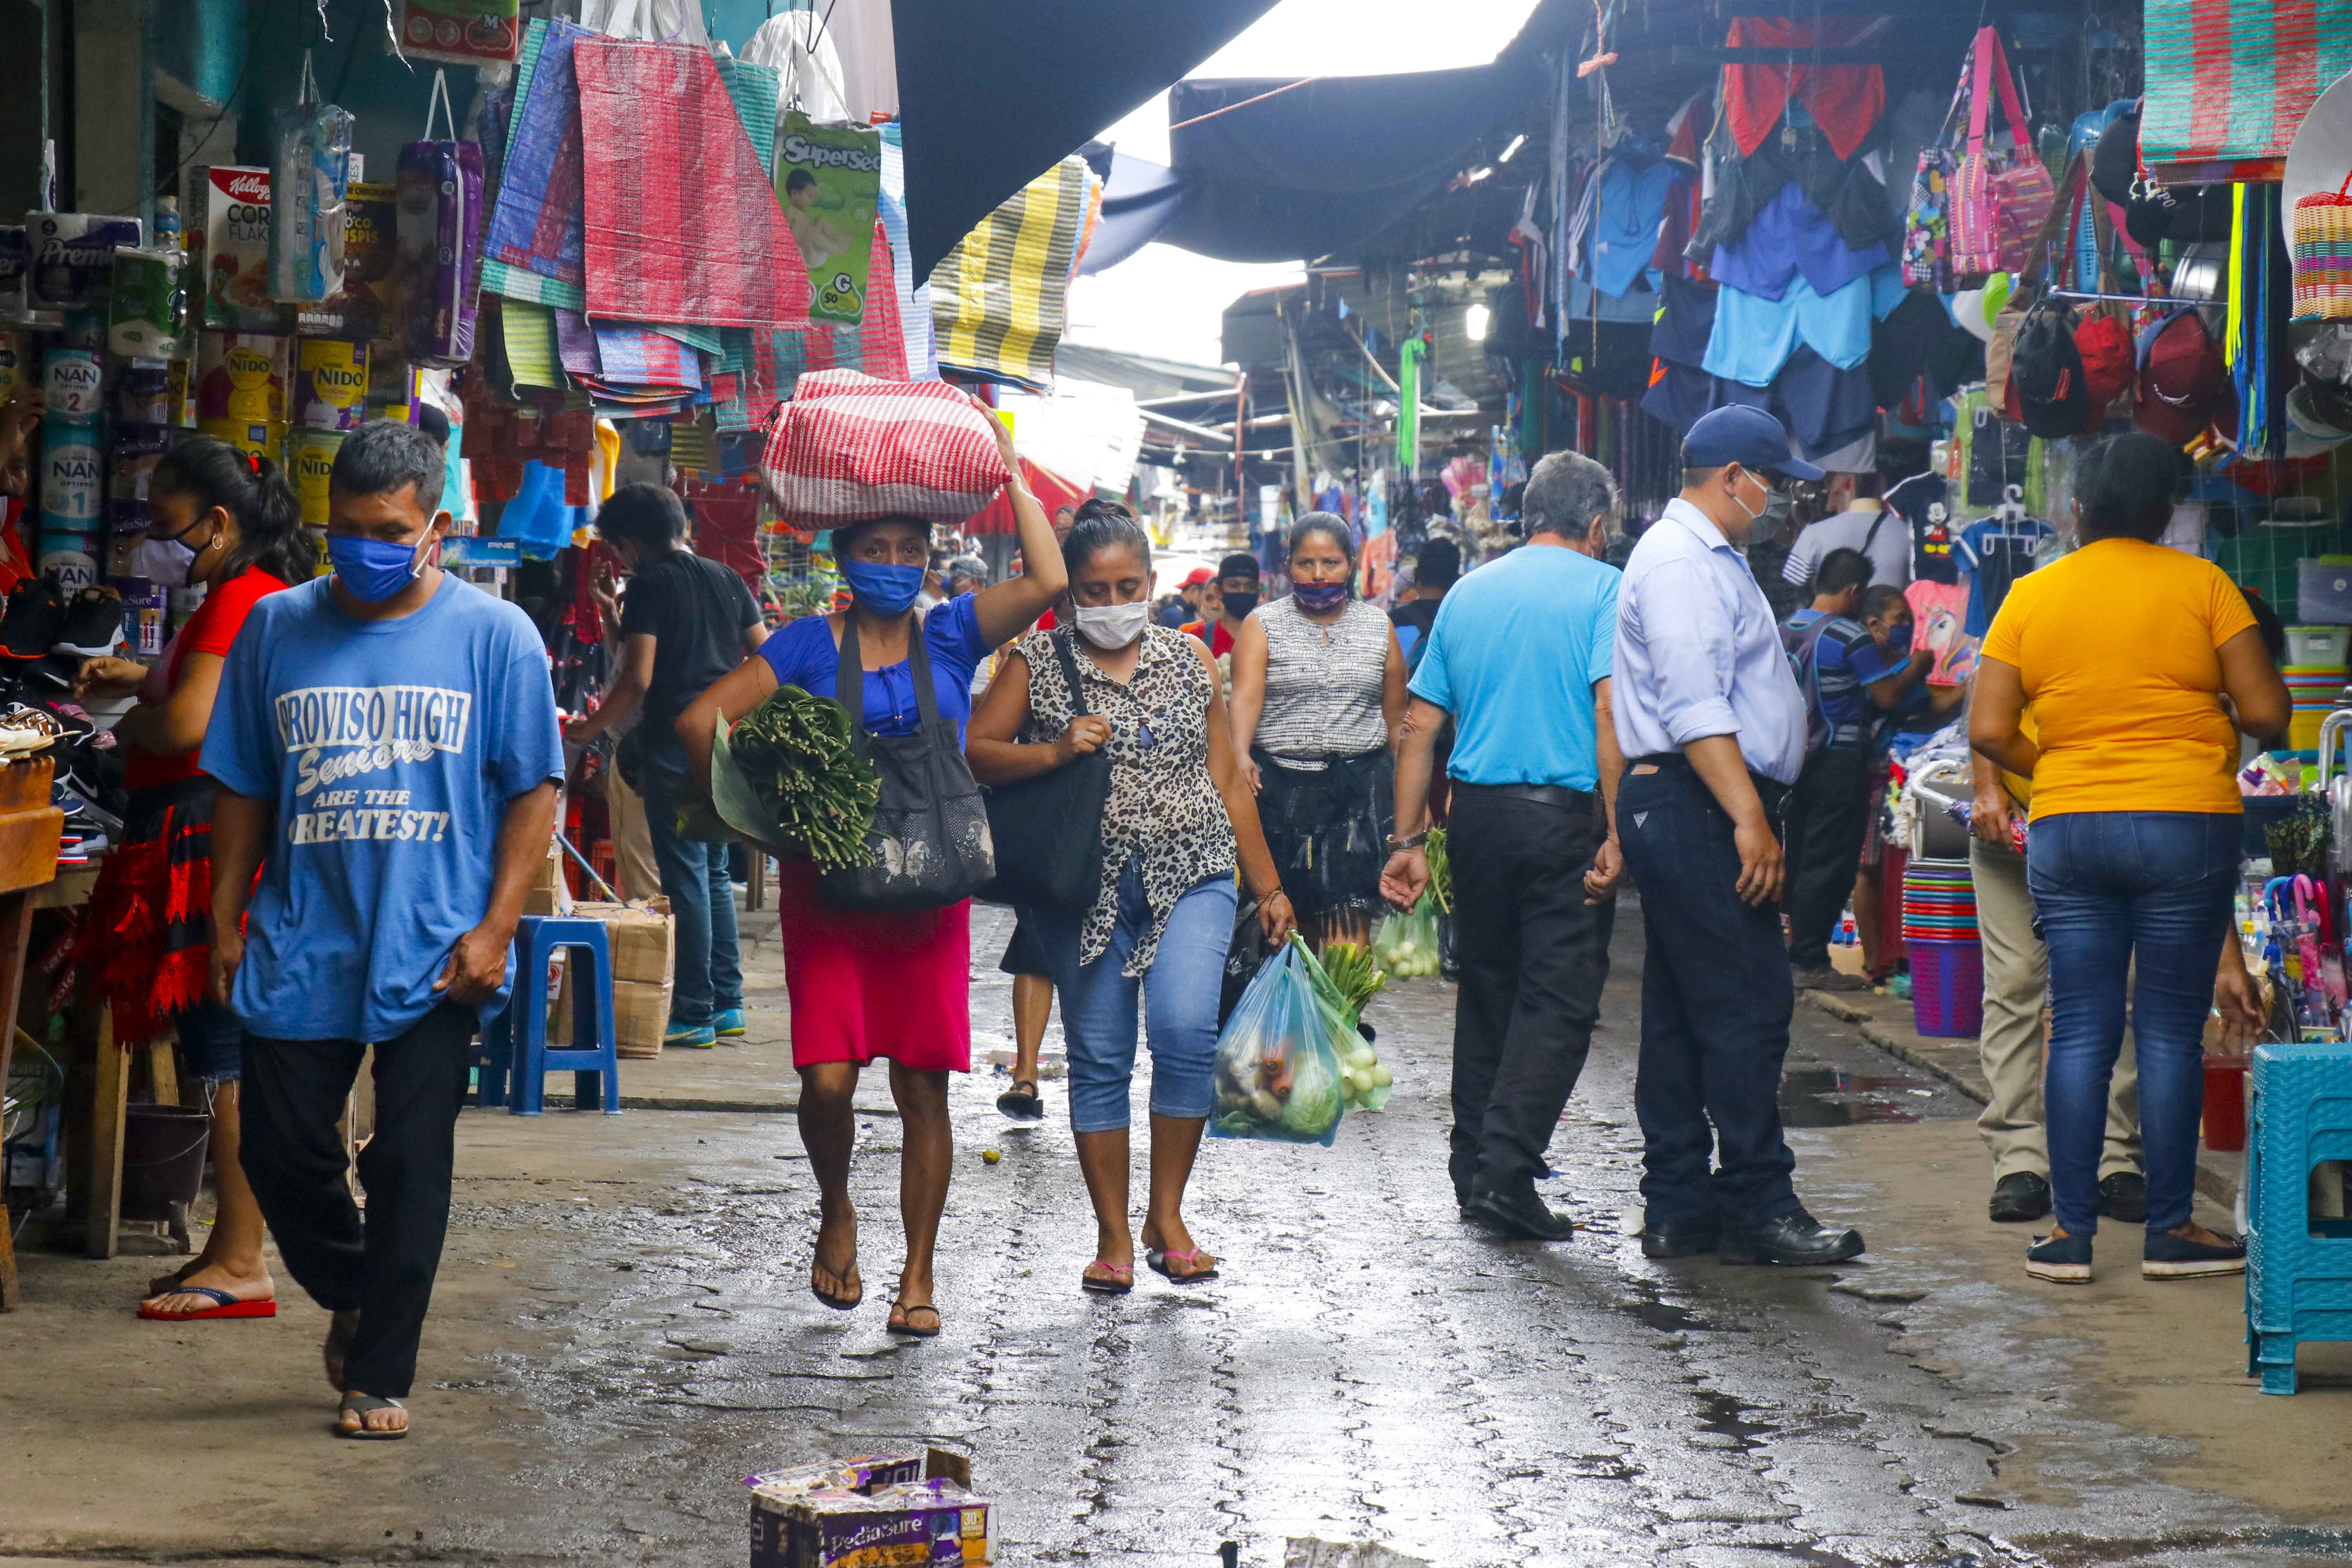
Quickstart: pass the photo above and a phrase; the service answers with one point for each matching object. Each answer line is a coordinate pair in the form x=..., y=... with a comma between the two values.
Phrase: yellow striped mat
x=998, y=298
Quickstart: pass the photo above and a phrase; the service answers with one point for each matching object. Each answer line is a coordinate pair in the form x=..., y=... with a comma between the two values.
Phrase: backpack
x=1802, y=645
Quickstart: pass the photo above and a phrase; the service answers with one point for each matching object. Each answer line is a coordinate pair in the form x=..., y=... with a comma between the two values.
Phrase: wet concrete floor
x=624, y=1331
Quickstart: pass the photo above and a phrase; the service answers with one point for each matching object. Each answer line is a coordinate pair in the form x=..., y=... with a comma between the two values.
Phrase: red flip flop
x=228, y=1306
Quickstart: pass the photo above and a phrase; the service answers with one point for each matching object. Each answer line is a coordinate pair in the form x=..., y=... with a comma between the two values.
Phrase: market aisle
x=624, y=1331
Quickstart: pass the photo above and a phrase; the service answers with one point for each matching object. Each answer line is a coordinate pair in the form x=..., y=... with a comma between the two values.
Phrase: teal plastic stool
x=2298, y=1266
x=515, y=1063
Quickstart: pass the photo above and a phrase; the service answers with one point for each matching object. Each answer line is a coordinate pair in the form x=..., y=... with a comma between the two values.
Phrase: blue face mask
x=373, y=569
x=882, y=587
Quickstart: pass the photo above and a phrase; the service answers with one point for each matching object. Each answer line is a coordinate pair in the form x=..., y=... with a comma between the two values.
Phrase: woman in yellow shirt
x=2142, y=663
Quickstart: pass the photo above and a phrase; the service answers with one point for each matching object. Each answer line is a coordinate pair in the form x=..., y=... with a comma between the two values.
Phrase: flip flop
x=838, y=1303
x=1021, y=1101
x=1121, y=1280
x=360, y=1404
x=228, y=1305
x=906, y=1323
x=1157, y=1258
x=164, y=1283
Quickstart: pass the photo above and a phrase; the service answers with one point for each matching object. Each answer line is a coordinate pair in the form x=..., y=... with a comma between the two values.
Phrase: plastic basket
x=1946, y=987
x=2318, y=647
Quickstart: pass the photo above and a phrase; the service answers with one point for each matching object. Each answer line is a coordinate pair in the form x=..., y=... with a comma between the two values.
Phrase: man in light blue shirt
x=1712, y=730
x=1521, y=656
x=386, y=749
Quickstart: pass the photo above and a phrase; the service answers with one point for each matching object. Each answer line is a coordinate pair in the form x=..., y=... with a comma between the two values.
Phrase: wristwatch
x=1412, y=841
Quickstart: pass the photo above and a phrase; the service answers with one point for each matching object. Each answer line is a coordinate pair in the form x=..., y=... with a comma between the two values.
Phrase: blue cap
x=1747, y=436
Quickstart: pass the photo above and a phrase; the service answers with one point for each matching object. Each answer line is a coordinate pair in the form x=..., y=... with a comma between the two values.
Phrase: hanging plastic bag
x=1277, y=1077
x=1406, y=944
x=651, y=21
x=1345, y=981
x=311, y=179
x=438, y=254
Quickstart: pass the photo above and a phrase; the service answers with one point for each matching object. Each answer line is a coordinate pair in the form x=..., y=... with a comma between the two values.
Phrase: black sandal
x=846, y=1275
x=1021, y=1101
x=362, y=1406
x=903, y=1319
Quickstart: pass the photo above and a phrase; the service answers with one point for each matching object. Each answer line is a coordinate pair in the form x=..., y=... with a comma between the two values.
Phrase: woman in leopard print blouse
x=1179, y=816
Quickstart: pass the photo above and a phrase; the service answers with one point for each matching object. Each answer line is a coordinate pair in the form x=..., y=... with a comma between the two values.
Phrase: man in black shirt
x=1436, y=569
x=685, y=622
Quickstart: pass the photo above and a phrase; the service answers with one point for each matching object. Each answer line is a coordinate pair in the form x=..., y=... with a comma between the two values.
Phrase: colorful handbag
x=1927, y=225
x=2322, y=254
x=2000, y=198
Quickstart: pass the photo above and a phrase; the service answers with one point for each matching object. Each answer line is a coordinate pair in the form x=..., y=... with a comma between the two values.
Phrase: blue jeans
x=212, y=1043
x=2109, y=886
x=701, y=905
x=1179, y=1000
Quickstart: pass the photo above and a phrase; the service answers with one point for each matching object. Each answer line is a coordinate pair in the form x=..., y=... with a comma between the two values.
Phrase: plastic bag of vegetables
x=1346, y=981
x=1277, y=1075
x=1406, y=944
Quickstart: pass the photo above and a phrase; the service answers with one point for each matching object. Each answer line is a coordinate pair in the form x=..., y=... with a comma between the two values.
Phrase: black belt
x=1559, y=795
x=1772, y=792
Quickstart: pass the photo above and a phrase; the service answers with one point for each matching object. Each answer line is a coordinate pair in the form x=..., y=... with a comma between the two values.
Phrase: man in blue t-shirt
x=1855, y=661
x=1520, y=655
x=386, y=749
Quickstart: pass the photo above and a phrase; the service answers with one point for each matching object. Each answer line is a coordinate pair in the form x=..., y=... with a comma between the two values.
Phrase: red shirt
x=211, y=630
x=1220, y=641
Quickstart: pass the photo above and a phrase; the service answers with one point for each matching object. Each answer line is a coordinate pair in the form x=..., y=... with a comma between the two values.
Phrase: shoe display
x=91, y=625
x=2170, y=1257
x=2017, y=1196
x=2124, y=1196
x=36, y=617
x=1683, y=1239
x=2061, y=1259
x=1792, y=1239
x=1520, y=1213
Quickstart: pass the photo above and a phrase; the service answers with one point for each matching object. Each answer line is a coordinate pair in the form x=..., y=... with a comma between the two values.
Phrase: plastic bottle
x=167, y=222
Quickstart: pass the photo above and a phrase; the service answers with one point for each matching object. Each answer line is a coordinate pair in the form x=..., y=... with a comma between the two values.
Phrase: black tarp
x=1139, y=199
x=992, y=93
x=1315, y=168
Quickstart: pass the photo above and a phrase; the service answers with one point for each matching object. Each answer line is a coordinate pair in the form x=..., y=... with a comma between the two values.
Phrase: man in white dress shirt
x=1712, y=727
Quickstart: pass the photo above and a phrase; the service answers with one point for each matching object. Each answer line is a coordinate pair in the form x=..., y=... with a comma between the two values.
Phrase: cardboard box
x=549, y=895
x=640, y=1019
x=872, y=1512
x=642, y=936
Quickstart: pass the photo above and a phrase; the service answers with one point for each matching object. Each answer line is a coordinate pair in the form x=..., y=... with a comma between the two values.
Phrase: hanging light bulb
x=1473, y=322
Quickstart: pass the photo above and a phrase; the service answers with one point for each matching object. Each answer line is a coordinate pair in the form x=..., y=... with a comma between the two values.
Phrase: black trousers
x=384, y=1265
x=1828, y=813
x=1534, y=956
x=1716, y=997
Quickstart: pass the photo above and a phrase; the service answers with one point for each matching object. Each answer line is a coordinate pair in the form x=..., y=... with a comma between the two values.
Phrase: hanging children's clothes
x=1995, y=553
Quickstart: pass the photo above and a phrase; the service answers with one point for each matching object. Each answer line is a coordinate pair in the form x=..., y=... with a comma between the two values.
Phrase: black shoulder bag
x=1049, y=828
x=929, y=847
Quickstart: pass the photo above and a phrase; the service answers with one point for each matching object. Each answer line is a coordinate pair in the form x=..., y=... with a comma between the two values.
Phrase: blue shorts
x=212, y=1043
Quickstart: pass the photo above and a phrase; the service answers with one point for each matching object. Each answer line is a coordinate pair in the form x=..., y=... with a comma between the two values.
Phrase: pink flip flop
x=1121, y=1280
x=1157, y=1258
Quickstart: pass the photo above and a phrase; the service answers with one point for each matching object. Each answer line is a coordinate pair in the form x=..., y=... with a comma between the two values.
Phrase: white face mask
x=1112, y=626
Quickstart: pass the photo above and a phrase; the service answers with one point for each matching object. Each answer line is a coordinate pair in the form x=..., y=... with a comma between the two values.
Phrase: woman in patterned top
x=1318, y=692
x=1178, y=814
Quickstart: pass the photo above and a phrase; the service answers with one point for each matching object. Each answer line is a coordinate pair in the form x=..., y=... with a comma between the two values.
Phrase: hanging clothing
x=1845, y=100
x=1920, y=501
x=1754, y=337
x=1995, y=554
x=1629, y=206
x=1851, y=193
x=1789, y=236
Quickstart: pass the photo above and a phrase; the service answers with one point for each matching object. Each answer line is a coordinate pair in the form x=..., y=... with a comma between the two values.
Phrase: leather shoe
x=1519, y=1213
x=2123, y=1197
x=1687, y=1238
x=2019, y=1195
x=1795, y=1237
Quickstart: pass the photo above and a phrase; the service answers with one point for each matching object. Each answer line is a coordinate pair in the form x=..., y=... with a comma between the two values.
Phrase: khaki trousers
x=2012, y=1046
x=633, y=839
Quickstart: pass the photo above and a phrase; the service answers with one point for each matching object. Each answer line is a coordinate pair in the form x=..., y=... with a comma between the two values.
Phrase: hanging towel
x=998, y=297
x=681, y=223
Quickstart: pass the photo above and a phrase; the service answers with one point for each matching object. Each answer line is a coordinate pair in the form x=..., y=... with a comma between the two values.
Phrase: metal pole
x=1241, y=414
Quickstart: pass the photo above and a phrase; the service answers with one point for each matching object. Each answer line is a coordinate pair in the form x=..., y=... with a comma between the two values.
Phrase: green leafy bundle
x=1441, y=871
x=795, y=753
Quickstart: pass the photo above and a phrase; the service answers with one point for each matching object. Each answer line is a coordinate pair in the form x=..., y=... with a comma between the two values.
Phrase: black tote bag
x=929, y=847
x=1048, y=829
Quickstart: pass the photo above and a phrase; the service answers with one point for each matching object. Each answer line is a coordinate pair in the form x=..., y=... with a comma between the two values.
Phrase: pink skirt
x=864, y=985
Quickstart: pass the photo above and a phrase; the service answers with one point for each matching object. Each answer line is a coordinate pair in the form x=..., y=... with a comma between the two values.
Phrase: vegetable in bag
x=1345, y=980
x=1277, y=1074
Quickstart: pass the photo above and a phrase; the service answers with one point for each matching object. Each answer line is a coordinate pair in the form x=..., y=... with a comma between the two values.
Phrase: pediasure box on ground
x=909, y=1510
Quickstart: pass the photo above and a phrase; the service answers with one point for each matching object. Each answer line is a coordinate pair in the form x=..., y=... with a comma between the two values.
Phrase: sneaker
x=2123, y=1197
x=2170, y=1257
x=36, y=617
x=693, y=1036
x=2061, y=1259
x=2018, y=1197
x=1826, y=979
x=92, y=624
x=727, y=1023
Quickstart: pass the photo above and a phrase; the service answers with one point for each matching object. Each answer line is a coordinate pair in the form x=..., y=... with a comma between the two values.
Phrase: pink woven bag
x=1998, y=197
x=851, y=446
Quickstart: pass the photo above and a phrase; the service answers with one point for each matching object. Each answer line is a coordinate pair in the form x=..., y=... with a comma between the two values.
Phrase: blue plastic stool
x=2298, y=1267
x=517, y=1081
